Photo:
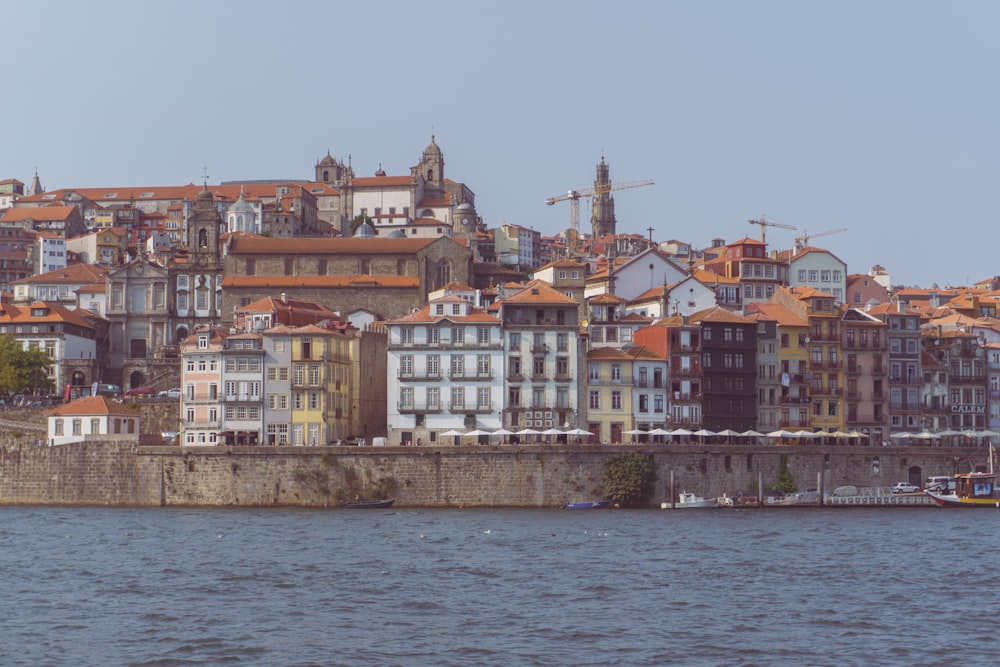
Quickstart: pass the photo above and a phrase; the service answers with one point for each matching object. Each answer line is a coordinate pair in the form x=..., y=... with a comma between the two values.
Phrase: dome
x=241, y=206
x=396, y=234
x=465, y=207
x=328, y=161
x=365, y=230
x=205, y=194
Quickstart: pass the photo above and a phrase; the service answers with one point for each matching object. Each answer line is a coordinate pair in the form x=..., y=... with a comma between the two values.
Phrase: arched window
x=430, y=174
x=326, y=175
x=203, y=238
x=444, y=273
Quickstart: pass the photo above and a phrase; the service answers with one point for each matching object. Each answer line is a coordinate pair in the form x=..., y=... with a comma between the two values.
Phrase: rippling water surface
x=498, y=587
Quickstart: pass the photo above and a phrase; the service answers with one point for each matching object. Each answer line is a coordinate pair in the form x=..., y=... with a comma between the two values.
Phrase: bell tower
x=203, y=230
x=602, y=219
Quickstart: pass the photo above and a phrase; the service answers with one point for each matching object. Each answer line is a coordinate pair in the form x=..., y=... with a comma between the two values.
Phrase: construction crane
x=802, y=241
x=574, y=197
x=764, y=224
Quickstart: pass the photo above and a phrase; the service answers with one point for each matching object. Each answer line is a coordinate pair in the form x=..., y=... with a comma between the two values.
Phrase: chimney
x=284, y=297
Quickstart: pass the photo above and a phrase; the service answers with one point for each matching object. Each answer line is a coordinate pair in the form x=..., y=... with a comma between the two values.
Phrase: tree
x=23, y=370
x=629, y=478
x=784, y=483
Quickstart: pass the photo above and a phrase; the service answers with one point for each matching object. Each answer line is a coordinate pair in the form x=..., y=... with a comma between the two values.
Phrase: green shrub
x=629, y=478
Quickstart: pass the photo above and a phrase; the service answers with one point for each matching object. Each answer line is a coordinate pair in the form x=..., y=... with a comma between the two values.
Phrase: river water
x=803, y=586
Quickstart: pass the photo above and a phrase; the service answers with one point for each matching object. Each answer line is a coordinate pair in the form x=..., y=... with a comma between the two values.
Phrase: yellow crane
x=574, y=197
x=802, y=241
x=763, y=224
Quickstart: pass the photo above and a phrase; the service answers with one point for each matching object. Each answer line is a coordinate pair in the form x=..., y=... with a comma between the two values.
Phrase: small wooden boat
x=368, y=504
x=687, y=500
x=589, y=505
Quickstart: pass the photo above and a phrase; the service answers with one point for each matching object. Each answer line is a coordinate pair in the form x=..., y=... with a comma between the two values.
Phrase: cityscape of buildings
x=339, y=307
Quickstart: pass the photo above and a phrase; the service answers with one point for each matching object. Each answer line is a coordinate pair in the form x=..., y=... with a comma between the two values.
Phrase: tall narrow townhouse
x=678, y=341
x=445, y=361
x=866, y=372
x=610, y=412
x=793, y=367
x=769, y=376
x=825, y=366
x=963, y=355
x=904, y=363
x=320, y=382
x=542, y=339
x=277, y=343
x=729, y=369
x=201, y=378
x=242, y=383
x=649, y=388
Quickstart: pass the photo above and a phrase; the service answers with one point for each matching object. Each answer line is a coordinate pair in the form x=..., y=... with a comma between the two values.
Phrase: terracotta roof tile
x=93, y=405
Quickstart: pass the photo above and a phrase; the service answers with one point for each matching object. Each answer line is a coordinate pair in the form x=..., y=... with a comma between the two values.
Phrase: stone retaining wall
x=118, y=473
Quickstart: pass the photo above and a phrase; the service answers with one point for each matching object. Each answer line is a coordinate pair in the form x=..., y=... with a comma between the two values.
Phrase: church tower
x=203, y=231
x=602, y=219
x=431, y=168
x=36, y=186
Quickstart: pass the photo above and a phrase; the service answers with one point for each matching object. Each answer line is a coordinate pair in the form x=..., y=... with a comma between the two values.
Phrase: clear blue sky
x=880, y=117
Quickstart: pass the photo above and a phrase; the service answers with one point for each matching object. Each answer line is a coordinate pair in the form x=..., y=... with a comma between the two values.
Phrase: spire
x=36, y=185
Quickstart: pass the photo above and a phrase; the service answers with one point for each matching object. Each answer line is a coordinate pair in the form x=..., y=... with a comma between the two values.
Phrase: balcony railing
x=408, y=408
x=465, y=408
x=426, y=376
x=470, y=375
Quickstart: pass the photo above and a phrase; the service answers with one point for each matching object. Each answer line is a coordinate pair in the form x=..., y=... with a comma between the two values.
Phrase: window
x=406, y=335
x=457, y=398
x=515, y=341
x=594, y=400
x=483, y=334
x=457, y=365
x=433, y=398
x=458, y=335
x=483, y=365
x=483, y=398
x=433, y=335
x=616, y=399
x=433, y=365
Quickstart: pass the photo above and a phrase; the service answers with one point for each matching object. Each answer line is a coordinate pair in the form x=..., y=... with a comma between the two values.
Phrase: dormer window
x=456, y=309
x=203, y=342
x=39, y=312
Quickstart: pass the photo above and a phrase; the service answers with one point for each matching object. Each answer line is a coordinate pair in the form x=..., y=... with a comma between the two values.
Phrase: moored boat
x=588, y=505
x=972, y=489
x=688, y=500
x=368, y=504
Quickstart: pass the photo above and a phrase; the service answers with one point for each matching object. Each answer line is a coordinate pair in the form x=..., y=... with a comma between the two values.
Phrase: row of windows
x=483, y=397
x=433, y=335
x=820, y=275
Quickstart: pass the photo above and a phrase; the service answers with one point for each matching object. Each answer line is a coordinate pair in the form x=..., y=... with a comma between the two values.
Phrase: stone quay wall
x=119, y=473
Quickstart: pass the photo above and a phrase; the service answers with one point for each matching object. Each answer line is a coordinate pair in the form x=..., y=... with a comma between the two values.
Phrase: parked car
x=170, y=393
x=939, y=483
x=139, y=391
x=905, y=487
x=846, y=490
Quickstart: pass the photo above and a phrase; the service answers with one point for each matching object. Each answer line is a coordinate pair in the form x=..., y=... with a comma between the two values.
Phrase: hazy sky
x=880, y=117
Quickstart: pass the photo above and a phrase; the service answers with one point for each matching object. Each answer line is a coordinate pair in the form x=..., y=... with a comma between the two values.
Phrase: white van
x=939, y=483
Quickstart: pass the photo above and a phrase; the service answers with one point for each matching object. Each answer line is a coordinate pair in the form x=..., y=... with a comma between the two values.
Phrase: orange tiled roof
x=424, y=315
x=93, y=405
x=246, y=245
x=321, y=281
x=538, y=292
x=74, y=273
x=778, y=313
x=41, y=213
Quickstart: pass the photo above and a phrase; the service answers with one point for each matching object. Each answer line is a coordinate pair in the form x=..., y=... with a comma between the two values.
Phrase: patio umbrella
x=702, y=432
x=677, y=431
x=553, y=431
x=635, y=431
x=925, y=435
x=477, y=432
x=902, y=435
x=503, y=431
x=528, y=431
x=856, y=434
x=780, y=434
x=453, y=432
x=838, y=434
x=805, y=434
x=988, y=433
x=751, y=434
x=728, y=433
x=580, y=431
